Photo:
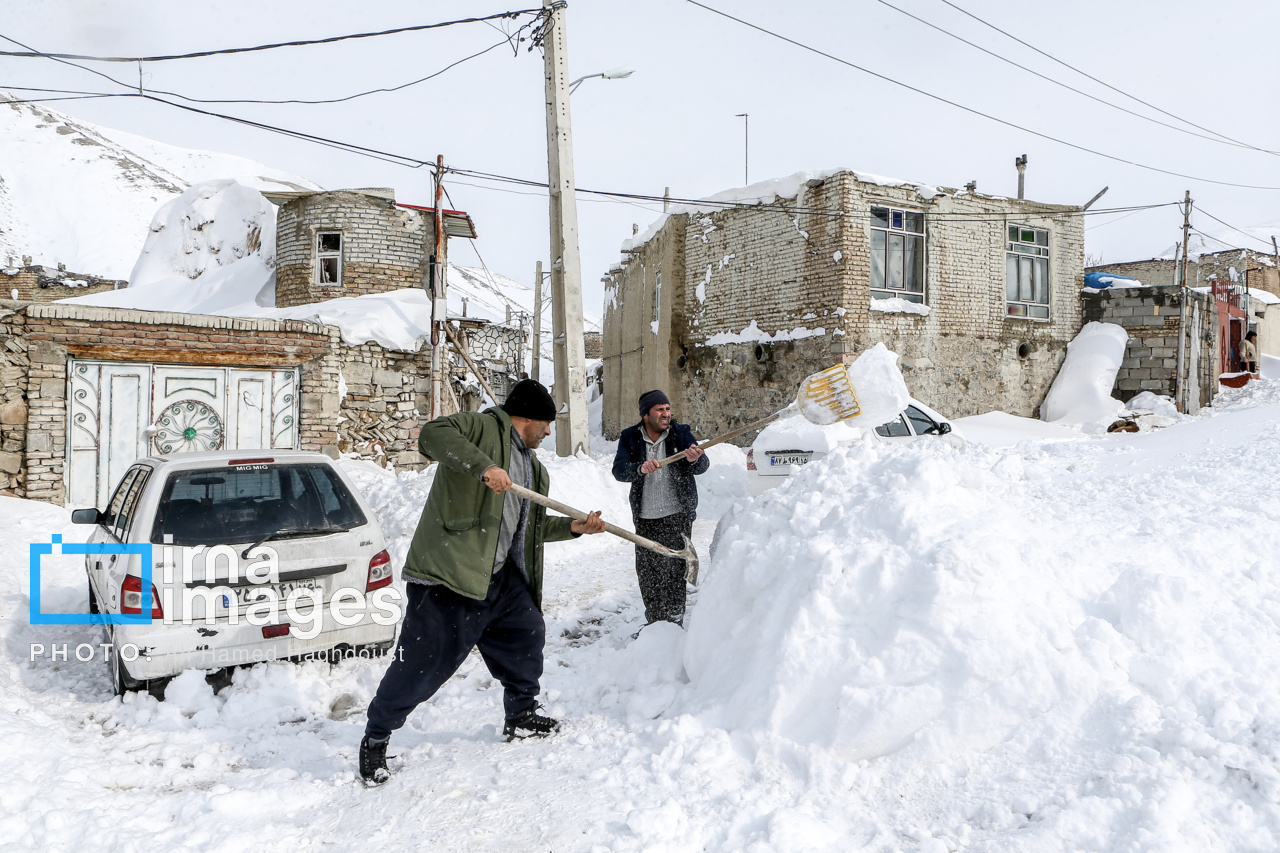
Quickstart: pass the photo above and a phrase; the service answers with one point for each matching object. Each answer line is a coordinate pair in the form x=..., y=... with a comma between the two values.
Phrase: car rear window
x=213, y=506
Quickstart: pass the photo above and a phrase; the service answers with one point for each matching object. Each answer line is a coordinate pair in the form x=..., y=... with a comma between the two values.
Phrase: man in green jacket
x=474, y=570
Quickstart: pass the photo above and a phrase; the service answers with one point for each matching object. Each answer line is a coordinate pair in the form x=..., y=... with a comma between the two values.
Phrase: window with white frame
x=1026, y=266
x=897, y=254
x=329, y=259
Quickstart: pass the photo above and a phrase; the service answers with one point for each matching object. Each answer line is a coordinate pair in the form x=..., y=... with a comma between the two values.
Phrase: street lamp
x=611, y=74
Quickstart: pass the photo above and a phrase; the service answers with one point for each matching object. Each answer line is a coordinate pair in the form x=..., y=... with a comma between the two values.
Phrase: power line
x=1233, y=228
x=30, y=54
x=1215, y=138
x=976, y=112
x=1101, y=82
x=331, y=100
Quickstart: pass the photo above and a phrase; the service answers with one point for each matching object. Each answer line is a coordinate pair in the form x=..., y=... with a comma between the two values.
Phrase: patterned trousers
x=662, y=578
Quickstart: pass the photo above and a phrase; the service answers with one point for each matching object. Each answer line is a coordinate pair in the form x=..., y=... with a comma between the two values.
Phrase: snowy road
x=1036, y=646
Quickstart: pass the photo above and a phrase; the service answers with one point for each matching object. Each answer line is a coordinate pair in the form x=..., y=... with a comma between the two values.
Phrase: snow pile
x=998, y=429
x=881, y=391
x=1154, y=403
x=991, y=665
x=898, y=305
x=75, y=193
x=1081, y=392
x=212, y=251
x=213, y=224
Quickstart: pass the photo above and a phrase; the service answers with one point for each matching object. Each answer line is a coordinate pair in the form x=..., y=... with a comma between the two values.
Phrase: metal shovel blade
x=690, y=558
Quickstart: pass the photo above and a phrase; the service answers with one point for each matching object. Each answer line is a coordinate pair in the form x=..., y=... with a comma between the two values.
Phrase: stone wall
x=14, y=368
x=384, y=247
x=764, y=296
x=1151, y=317
x=35, y=283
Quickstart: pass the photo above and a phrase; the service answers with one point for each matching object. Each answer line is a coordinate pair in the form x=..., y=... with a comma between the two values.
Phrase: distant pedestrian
x=664, y=501
x=474, y=570
x=1249, y=352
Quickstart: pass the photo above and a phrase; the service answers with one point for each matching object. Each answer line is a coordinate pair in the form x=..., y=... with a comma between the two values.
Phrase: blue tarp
x=1103, y=280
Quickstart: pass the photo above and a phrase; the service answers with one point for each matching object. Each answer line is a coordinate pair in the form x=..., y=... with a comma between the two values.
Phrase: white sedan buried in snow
x=787, y=445
x=255, y=556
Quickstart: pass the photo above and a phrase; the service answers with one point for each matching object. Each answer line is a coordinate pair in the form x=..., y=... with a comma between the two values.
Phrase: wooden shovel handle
x=720, y=439
x=578, y=515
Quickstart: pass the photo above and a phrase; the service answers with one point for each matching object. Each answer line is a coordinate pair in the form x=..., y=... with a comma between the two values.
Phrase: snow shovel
x=825, y=398
x=689, y=556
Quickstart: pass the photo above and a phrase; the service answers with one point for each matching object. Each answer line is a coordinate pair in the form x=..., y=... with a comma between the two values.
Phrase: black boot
x=373, y=761
x=529, y=724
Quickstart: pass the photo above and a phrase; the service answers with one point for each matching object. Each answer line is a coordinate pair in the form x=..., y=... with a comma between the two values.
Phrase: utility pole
x=439, y=302
x=566, y=264
x=535, y=369
x=1181, y=374
x=746, y=147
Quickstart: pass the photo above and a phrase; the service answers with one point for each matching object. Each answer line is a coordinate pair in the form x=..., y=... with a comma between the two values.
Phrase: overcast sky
x=673, y=123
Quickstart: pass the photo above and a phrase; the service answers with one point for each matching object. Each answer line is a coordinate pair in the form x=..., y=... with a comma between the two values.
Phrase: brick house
x=1258, y=270
x=38, y=283
x=89, y=389
x=1247, y=297
x=729, y=309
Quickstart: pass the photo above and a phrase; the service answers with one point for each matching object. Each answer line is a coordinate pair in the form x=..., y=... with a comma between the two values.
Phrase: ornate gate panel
x=119, y=412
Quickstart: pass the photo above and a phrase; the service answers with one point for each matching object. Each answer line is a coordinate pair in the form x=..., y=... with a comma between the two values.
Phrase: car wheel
x=119, y=676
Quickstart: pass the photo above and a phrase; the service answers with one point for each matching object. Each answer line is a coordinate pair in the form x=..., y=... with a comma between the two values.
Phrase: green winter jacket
x=457, y=536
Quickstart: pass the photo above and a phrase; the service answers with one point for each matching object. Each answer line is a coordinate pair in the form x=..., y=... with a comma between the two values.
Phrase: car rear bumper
x=167, y=650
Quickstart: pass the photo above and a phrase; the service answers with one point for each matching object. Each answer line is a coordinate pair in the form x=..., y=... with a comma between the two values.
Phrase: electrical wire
x=1101, y=82
x=976, y=112
x=330, y=100
x=30, y=54
x=1215, y=138
x=1234, y=228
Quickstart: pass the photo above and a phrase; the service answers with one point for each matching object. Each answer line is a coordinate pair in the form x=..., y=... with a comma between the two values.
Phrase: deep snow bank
x=1056, y=638
x=1081, y=392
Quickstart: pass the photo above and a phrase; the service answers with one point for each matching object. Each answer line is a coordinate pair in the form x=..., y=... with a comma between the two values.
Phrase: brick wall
x=1151, y=317
x=35, y=283
x=1232, y=265
x=53, y=333
x=806, y=273
x=384, y=247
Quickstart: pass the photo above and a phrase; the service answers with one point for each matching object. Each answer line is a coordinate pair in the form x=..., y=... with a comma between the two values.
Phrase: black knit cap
x=649, y=399
x=530, y=400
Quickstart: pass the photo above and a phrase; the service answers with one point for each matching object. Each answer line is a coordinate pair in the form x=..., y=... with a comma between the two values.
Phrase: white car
x=785, y=446
x=255, y=556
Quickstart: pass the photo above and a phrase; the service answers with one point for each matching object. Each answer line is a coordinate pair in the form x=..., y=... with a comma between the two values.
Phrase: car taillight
x=270, y=631
x=751, y=459
x=131, y=597
x=379, y=571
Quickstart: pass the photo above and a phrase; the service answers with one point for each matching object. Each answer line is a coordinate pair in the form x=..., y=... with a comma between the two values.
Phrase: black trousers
x=662, y=578
x=441, y=628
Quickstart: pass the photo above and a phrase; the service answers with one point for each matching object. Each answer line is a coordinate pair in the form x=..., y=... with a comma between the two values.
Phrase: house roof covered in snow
x=457, y=223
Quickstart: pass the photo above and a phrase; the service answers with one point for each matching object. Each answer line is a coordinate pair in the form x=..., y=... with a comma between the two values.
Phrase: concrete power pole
x=1181, y=398
x=439, y=300
x=566, y=264
x=535, y=369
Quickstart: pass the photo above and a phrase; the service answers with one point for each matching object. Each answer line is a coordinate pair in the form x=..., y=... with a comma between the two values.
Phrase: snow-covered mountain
x=74, y=193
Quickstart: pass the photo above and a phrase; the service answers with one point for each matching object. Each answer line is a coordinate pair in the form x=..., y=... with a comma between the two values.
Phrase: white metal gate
x=119, y=412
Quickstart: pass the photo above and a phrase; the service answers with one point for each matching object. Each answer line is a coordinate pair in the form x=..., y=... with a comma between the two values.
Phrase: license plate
x=779, y=459
x=246, y=595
